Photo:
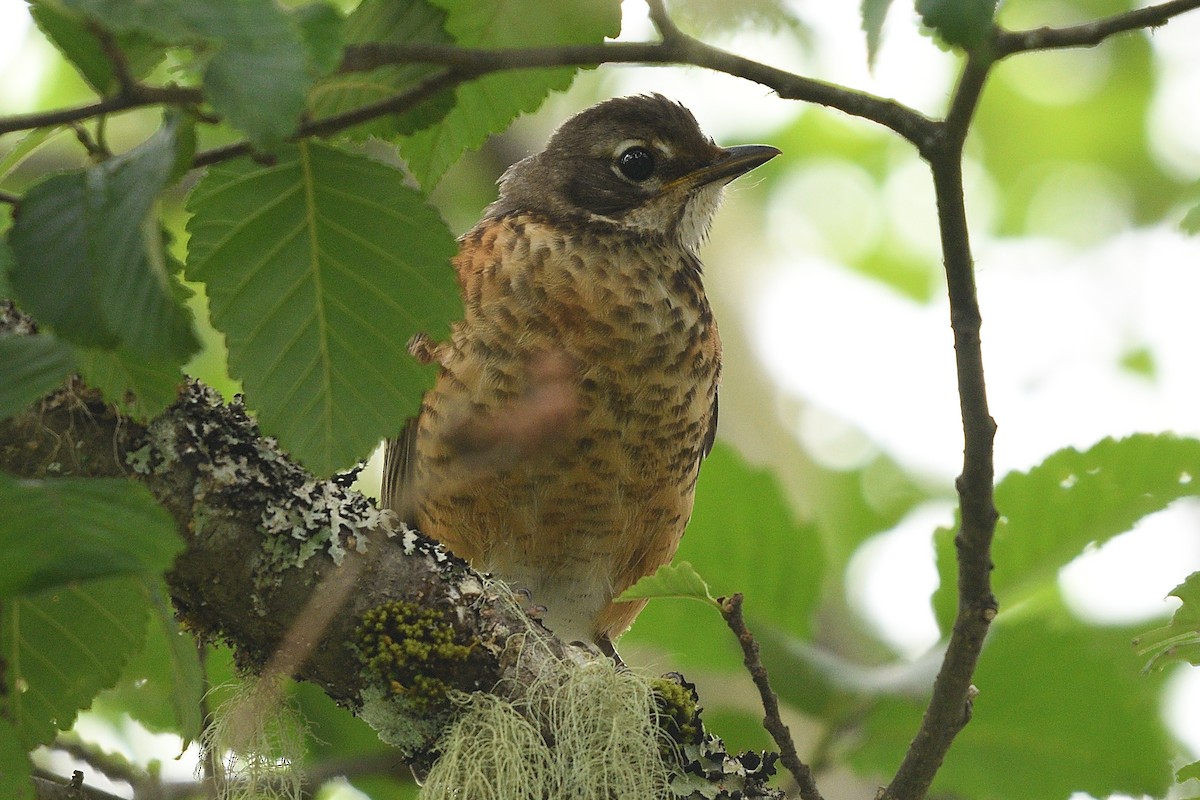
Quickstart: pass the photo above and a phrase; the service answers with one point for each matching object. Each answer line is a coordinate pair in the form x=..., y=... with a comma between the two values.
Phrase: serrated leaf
x=874, y=13
x=488, y=105
x=142, y=387
x=1071, y=500
x=318, y=271
x=256, y=73
x=30, y=366
x=958, y=23
x=671, y=580
x=72, y=36
x=61, y=646
x=1178, y=640
x=1062, y=700
x=14, y=765
x=90, y=260
x=393, y=22
x=162, y=686
x=321, y=25
x=58, y=531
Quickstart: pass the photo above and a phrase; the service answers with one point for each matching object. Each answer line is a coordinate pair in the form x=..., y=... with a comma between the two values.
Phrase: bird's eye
x=636, y=163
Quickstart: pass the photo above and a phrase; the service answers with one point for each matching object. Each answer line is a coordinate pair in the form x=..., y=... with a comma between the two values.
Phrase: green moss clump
x=405, y=648
x=679, y=712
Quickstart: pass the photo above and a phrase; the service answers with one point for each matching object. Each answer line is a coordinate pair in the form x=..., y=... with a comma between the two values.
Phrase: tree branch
x=1090, y=34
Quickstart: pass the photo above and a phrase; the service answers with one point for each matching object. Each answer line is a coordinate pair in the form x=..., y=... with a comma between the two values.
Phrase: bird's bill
x=732, y=162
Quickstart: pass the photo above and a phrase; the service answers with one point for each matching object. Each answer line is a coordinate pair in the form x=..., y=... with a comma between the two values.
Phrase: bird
x=560, y=445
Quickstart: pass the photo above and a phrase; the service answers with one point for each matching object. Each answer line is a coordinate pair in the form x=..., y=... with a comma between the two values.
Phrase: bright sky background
x=1057, y=317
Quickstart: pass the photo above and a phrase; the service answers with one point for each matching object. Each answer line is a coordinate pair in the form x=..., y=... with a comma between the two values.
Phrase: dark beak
x=732, y=162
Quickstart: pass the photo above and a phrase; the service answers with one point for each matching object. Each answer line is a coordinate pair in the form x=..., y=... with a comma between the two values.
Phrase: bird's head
x=637, y=162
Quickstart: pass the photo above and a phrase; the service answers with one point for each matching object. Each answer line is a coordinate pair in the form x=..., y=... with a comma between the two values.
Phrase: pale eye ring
x=636, y=163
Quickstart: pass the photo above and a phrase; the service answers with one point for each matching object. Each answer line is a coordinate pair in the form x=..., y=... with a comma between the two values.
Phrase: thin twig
x=1090, y=34
x=143, y=96
x=731, y=610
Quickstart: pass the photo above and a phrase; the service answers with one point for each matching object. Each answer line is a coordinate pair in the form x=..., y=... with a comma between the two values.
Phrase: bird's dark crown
x=617, y=160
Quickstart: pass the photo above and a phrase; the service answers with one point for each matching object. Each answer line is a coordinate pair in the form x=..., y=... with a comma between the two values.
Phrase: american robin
x=560, y=445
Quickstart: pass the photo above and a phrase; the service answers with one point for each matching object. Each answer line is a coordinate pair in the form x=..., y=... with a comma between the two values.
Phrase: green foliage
x=30, y=366
x=54, y=664
x=1062, y=707
x=958, y=23
x=316, y=300
x=89, y=257
x=70, y=529
x=1071, y=501
x=1179, y=640
x=488, y=105
x=84, y=50
x=1191, y=220
x=671, y=580
x=874, y=12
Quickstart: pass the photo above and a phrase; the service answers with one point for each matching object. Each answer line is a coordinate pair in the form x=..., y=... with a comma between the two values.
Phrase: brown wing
x=397, y=477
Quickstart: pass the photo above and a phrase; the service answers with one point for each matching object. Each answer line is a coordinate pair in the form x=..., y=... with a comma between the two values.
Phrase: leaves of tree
x=671, y=580
x=70, y=529
x=63, y=644
x=14, y=764
x=91, y=261
x=395, y=23
x=256, y=71
x=874, y=12
x=142, y=387
x=958, y=23
x=318, y=270
x=488, y=105
x=1062, y=708
x=1072, y=500
x=30, y=366
x=83, y=49
x=1178, y=640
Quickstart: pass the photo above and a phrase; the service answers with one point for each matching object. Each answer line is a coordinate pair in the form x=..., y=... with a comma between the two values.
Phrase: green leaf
x=6, y=264
x=143, y=387
x=1191, y=221
x=322, y=27
x=1178, y=640
x=62, y=645
x=1062, y=708
x=72, y=36
x=393, y=22
x=318, y=270
x=14, y=765
x=90, y=256
x=958, y=23
x=1071, y=501
x=488, y=105
x=672, y=580
x=1186, y=773
x=874, y=12
x=162, y=686
x=63, y=530
x=740, y=515
x=257, y=71
x=30, y=366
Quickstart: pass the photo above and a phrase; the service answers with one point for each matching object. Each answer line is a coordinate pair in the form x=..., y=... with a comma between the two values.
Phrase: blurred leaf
x=14, y=765
x=487, y=105
x=395, y=22
x=90, y=257
x=6, y=264
x=1062, y=708
x=744, y=536
x=257, y=68
x=1140, y=361
x=83, y=49
x=30, y=366
x=162, y=686
x=62, y=530
x=21, y=149
x=672, y=580
x=1070, y=501
x=322, y=27
x=717, y=17
x=958, y=23
x=1178, y=640
x=143, y=387
x=62, y=645
x=874, y=12
x=318, y=270
x=1188, y=772
x=1191, y=221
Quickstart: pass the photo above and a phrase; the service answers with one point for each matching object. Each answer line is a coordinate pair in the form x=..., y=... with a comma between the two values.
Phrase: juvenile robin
x=559, y=448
